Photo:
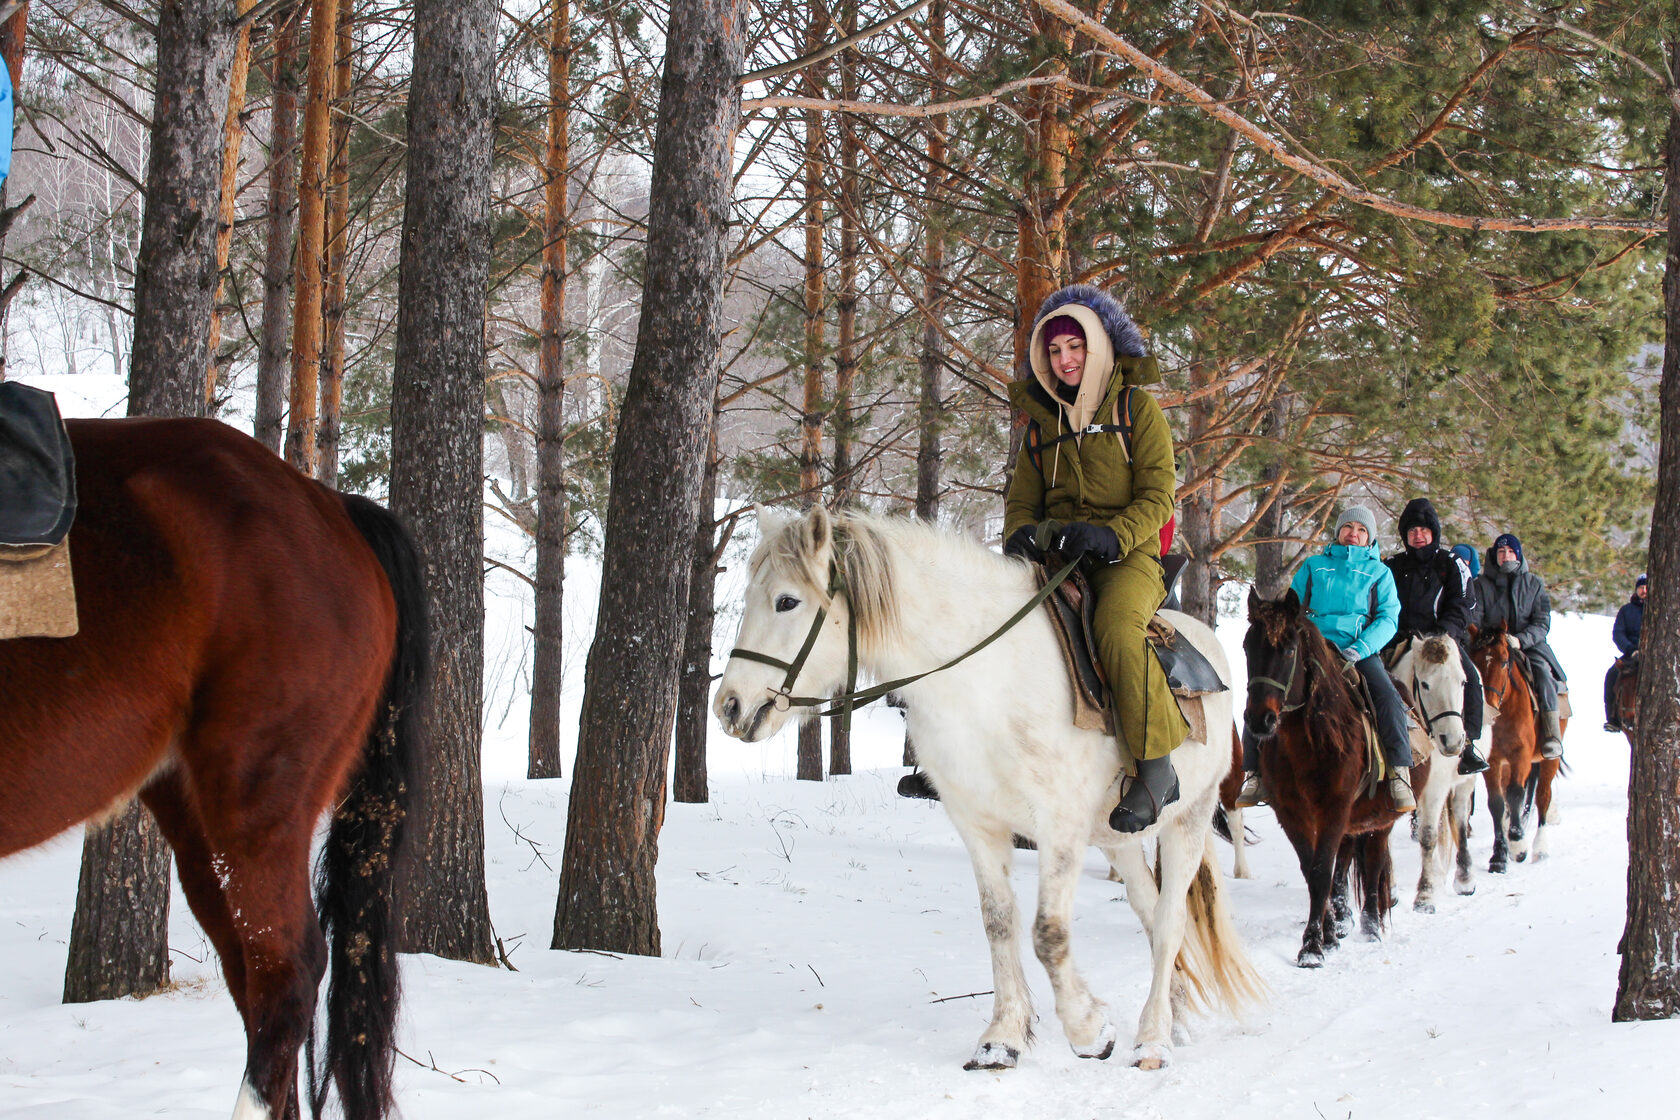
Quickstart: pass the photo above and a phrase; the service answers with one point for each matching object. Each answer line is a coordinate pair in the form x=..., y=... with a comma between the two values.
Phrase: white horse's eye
x=1424, y=685
x=785, y=603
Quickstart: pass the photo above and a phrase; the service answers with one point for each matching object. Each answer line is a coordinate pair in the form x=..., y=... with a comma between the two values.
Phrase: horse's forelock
x=1434, y=650
x=867, y=570
x=782, y=552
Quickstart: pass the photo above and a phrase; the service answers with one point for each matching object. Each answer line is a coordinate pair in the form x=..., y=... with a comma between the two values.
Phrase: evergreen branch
x=836, y=47
x=1311, y=168
x=891, y=109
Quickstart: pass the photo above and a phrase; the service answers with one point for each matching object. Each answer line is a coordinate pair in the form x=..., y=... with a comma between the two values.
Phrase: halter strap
x=1286, y=686
x=854, y=697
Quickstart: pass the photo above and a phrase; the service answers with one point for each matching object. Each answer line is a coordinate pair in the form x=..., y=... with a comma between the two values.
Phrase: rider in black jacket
x=1430, y=583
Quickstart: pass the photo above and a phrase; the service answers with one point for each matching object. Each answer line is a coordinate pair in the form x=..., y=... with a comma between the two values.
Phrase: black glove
x=1023, y=542
x=1081, y=538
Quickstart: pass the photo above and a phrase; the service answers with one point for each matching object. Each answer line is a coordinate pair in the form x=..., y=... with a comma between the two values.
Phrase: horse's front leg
x=1500, y=860
x=1516, y=809
x=1320, y=870
x=991, y=851
x=1429, y=819
x=1084, y=1017
x=1181, y=846
x=1239, y=841
x=1459, y=806
x=1341, y=908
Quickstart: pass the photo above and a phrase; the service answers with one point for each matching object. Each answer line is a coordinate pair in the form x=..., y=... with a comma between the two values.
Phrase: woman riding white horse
x=995, y=733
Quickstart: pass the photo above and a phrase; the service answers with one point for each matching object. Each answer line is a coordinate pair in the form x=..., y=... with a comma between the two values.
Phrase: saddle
x=1072, y=610
x=1524, y=666
x=37, y=507
x=1377, y=768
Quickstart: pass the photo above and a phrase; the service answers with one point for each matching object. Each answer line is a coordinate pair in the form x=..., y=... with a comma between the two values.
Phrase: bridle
x=1287, y=686
x=854, y=697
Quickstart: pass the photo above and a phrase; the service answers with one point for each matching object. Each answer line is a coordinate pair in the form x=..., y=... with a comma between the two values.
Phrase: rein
x=843, y=703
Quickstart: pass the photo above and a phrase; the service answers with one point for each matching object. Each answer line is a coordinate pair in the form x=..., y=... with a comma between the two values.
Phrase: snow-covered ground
x=823, y=957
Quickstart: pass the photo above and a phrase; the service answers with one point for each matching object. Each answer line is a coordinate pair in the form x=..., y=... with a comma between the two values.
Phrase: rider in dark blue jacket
x=1629, y=620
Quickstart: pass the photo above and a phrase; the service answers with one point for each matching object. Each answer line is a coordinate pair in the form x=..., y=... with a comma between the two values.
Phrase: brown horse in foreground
x=1302, y=709
x=252, y=651
x=1517, y=778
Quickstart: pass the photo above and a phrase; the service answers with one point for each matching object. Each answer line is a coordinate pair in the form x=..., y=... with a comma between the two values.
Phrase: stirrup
x=916, y=784
x=1400, y=792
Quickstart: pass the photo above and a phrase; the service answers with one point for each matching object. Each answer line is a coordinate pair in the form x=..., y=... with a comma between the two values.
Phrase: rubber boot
x=916, y=784
x=1551, y=736
x=1400, y=789
x=1154, y=788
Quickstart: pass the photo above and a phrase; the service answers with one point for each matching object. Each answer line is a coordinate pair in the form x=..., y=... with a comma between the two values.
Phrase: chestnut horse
x=1303, y=710
x=252, y=651
x=1517, y=778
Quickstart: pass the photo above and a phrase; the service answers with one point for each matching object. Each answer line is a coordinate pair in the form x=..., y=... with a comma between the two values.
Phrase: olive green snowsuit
x=1089, y=478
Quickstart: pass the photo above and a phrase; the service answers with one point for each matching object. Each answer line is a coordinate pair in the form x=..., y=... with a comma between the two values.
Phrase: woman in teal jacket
x=1349, y=594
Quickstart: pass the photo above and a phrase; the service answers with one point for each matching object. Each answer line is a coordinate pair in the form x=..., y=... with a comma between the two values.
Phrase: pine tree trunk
x=13, y=34
x=301, y=431
x=1041, y=239
x=124, y=883
x=437, y=453
x=331, y=427
x=845, y=313
x=122, y=949
x=607, y=894
x=547, y=638
x=1649, y=983
x=274, y=350
x=233, y=134
x=809, y=764
x=1271, y=557
x=694, y=690
x=1198, y=585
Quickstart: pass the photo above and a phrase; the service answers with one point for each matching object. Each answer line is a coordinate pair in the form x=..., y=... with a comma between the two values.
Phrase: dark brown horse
x=1302, y=708
x=1517, y=778
x=252, y=651
x=1627, y=695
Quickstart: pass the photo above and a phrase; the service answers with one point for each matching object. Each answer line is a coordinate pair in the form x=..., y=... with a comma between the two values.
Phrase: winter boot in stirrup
x=1551, y=736
x=1154, y=788
x=1253, y=791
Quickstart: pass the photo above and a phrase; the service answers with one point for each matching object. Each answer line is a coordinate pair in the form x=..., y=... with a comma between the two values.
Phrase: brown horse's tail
x=1215, y=967
x=355, y=879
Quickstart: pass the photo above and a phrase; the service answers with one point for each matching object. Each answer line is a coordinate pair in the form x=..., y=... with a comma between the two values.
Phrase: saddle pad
x=37, y=598
x=1526, y=668
x=37, y=468
x=1071, y=615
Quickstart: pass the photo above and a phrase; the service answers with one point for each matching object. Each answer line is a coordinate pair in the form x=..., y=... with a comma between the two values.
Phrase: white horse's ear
x=817, y=529
x=770, y=521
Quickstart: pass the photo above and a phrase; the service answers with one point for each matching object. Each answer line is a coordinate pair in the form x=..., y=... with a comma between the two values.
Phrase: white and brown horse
x=1429, y=666
x=995, y=734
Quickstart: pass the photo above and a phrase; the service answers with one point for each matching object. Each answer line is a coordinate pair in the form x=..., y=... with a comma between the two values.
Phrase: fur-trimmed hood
x=1112, y=342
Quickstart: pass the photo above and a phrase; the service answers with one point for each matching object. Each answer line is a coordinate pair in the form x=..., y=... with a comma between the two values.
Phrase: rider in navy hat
x=1516, y=598
x=1629, y=621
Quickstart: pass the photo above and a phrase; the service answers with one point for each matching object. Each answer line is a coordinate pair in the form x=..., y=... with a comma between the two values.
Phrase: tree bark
x=1271, y=557
x=437, y=453
x=122, y=948
x=1199, y=586
x=330, y=430
x=1041, y=236
x=301, y=431
x=607, y=890
x=930, y=408
x=274, y=350
x=845, y=314
x=233, y=135
x=694, y=690
x=1649, y=983
x=809, y=760
x=547, y=638
x=124, y=884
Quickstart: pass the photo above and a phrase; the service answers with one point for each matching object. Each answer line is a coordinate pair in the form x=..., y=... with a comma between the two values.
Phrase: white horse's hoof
x=1464, y=886
x=993, y=1055
x=1102, y=1047
x=1424, y=906
x=1152, y=1057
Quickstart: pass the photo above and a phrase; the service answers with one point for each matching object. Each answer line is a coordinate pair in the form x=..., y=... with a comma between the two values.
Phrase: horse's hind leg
x=1501, y=846
x=1010, y=1030
x=1239, y=841
x=1341, y=907
x=1180, y=846
x=1084, y=1017
x=1459, y=808
x=1547, y=772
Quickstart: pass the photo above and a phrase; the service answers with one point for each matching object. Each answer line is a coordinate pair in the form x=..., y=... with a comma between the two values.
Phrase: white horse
x=1430, y=667
x=995, y=734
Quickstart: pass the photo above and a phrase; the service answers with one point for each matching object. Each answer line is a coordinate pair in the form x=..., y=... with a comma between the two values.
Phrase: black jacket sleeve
x=1453, y=611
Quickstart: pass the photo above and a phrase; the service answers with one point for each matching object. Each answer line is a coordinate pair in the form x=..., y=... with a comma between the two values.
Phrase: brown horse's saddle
x=1525, y=666
x=37, y=506
x=1377, y=768
x=1072, y=610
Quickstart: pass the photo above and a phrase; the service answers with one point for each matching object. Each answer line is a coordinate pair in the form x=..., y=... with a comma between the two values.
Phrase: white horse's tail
x=1212, y=961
